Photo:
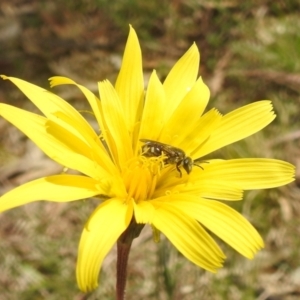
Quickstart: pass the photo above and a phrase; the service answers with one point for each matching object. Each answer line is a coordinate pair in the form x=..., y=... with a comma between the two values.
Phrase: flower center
x=140, y=176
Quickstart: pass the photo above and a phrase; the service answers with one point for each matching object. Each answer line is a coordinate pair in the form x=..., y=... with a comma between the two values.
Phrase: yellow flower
x=138, y=182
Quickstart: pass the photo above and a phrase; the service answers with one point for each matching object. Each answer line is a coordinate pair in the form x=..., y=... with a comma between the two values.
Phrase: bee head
x=187, y=164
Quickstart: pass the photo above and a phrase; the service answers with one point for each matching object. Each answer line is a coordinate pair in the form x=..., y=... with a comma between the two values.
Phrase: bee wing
x=168, y=149
x=145, y=140
x=151, y=142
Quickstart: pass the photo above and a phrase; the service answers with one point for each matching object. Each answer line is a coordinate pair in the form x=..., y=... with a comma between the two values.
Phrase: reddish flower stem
x=122, y=262
x=123, y=250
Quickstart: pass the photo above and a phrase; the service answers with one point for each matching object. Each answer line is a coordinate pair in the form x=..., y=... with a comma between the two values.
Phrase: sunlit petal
x=181, y=79
x=121, y=148
x=238, y=125
x=246, y=173
x=92, y=99
x=130, y=81
x=64, y=152
x=47, y=102
x=200, y=133
x=188, y=237
x=152, y=120
x=187, y=113
x=98, y=237
x=213, y=190
x=144, y=212
x=58, y=188
x=223, y=221
x=54, y=107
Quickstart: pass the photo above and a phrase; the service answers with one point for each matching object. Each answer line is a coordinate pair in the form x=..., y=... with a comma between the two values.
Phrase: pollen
x=140, y=177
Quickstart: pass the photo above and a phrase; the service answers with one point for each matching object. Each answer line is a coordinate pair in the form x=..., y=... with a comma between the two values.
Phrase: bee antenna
x=198, y=166
x=201, y=166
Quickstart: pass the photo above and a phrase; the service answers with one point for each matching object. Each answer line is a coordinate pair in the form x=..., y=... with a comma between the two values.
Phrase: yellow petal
x=61, y=112
x=120, y=144
x=50, y=104
x=223, y=221
x=152, y=119
x=35, y=127
x=231, y=227
x=181, y=79
x=246, y=173
x=97, y=109
x=92, y=99
x=143, y=212
x=200, y=133
x=47, y=102
x=238, y=125
x=58, y=188
x=187, y=114
x=77, y=144
x=102, y=230
x=130, y=81
x=188, y=236
x=213, y=190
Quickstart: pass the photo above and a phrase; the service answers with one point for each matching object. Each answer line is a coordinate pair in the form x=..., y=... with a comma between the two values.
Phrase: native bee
x=173, y=155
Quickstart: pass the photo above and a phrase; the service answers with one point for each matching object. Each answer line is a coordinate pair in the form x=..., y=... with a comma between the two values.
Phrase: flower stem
x=123, y=250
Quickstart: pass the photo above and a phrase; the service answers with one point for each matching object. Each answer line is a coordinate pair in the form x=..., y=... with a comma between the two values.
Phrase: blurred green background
x=250, y=50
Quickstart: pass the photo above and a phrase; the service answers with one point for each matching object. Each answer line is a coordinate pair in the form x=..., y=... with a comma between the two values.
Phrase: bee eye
x=187, y=164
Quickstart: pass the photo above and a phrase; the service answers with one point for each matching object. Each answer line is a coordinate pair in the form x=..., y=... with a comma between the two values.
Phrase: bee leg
x=178, y=169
